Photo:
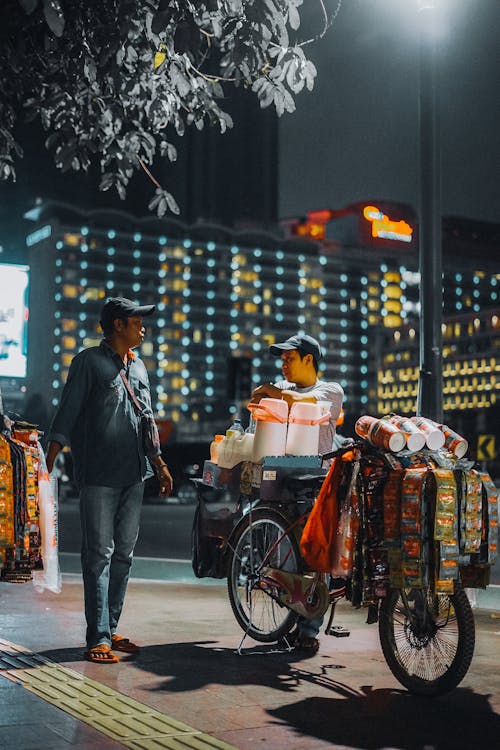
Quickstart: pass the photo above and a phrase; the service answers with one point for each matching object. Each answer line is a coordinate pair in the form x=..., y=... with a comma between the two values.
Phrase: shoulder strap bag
x=150, y=436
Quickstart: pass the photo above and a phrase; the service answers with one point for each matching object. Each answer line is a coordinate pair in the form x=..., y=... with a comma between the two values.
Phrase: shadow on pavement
x=384, y=718
x=363, y=718
x=194, y=665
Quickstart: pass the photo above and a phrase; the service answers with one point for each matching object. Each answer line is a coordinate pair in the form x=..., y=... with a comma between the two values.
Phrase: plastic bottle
x=235, y=427
x=214, y=448
x=251, y=425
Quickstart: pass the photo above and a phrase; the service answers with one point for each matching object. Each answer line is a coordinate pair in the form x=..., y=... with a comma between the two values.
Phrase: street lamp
x=430, y=398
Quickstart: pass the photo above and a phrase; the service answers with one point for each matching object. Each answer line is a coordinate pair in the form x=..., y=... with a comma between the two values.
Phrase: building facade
x=351, y=280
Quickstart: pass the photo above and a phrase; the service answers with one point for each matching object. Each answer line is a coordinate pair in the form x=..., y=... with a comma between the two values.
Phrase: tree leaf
x=293, y=17
x=54, y=16
x=28, y=5
x=92, y=86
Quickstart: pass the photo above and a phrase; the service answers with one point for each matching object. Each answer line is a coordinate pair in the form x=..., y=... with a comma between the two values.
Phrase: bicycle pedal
x=339, y=631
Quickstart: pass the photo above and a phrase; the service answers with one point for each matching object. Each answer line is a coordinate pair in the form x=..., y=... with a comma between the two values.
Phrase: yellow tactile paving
x=129, y=722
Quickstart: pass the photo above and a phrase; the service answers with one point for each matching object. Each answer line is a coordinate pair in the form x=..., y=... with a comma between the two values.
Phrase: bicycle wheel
x=258, y=609
x=427, y=639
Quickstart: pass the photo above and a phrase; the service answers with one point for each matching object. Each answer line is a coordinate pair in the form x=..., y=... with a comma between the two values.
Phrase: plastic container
x=380, y=432
x=235, y=428
x=434, y=438
x=234, y=449
x=271, y=415
x=454, y=442
x=304, y=421
x=214, y=448
x=415, y=438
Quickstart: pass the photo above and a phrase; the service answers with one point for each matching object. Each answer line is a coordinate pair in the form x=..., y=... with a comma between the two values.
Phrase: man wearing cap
x=300, y=357
x=99, y=420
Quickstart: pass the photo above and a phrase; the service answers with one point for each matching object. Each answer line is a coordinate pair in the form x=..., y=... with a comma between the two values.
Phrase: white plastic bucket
x=303, y=427
x=271, y=415
x=235, y=449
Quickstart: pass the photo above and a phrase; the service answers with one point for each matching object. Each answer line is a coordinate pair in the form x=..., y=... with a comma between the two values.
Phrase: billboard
x=14, y=282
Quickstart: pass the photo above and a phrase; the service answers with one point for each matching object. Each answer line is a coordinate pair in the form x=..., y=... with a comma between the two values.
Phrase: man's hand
x=165, y=479
x=267, y=390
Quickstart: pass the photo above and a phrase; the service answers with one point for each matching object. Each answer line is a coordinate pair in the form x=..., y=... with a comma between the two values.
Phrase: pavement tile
x=276, y=737
x=76, y=734
x=188, y=669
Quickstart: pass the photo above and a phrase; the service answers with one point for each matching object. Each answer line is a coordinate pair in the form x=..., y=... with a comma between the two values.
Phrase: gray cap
x=120, y=307
x=303, y=341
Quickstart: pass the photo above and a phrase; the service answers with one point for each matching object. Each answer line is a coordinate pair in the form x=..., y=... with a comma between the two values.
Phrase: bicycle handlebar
x=344, y=449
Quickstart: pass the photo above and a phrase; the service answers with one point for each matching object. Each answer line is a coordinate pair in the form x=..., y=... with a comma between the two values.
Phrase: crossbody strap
x=130, y=392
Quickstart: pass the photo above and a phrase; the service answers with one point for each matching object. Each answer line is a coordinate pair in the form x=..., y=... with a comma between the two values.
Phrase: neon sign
x=384, y=228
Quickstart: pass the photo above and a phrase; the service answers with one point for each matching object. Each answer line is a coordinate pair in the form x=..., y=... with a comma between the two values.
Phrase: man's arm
x=268, y=390
x=163, y=474
x=161, y=468
x=74, y=395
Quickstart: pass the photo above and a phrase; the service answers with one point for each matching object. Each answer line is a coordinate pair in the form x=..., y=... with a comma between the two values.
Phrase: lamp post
x=430, y=398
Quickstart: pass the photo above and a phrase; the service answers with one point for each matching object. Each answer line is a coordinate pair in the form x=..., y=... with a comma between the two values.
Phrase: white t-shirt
x=322, y=390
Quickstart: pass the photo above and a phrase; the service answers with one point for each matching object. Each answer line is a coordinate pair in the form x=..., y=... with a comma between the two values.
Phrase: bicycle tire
x=257, y=611
x=427, y=655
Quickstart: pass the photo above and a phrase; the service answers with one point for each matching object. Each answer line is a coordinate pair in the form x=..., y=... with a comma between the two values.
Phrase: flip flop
x=101, y=654
x=123, y=644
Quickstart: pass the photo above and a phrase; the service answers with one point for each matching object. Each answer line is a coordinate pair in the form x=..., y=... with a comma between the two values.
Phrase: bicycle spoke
x=425, y=645
x=264, y=542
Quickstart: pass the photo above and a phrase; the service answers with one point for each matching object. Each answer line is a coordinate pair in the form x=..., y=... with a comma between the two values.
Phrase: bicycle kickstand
x=337, y=630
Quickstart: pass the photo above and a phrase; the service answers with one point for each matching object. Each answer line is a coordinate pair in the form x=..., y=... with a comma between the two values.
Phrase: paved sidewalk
x=188, y=671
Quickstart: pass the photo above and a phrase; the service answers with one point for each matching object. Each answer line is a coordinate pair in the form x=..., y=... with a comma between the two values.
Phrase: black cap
x=120, y=307
x=302, y=341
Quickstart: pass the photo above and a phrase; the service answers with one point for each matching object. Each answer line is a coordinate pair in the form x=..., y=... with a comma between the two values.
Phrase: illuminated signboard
x=14, y=282
x=386, y=229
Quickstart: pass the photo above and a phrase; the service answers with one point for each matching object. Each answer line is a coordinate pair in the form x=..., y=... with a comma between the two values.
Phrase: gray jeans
x=110, y=518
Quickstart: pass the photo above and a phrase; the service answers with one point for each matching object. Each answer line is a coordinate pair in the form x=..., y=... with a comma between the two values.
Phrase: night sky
x=356, y=135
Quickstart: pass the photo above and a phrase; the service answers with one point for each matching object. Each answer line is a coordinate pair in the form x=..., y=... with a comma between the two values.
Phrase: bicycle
x=427, y=638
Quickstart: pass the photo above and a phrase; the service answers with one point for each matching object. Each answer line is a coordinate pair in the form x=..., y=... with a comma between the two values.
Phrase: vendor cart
x=412, y=531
